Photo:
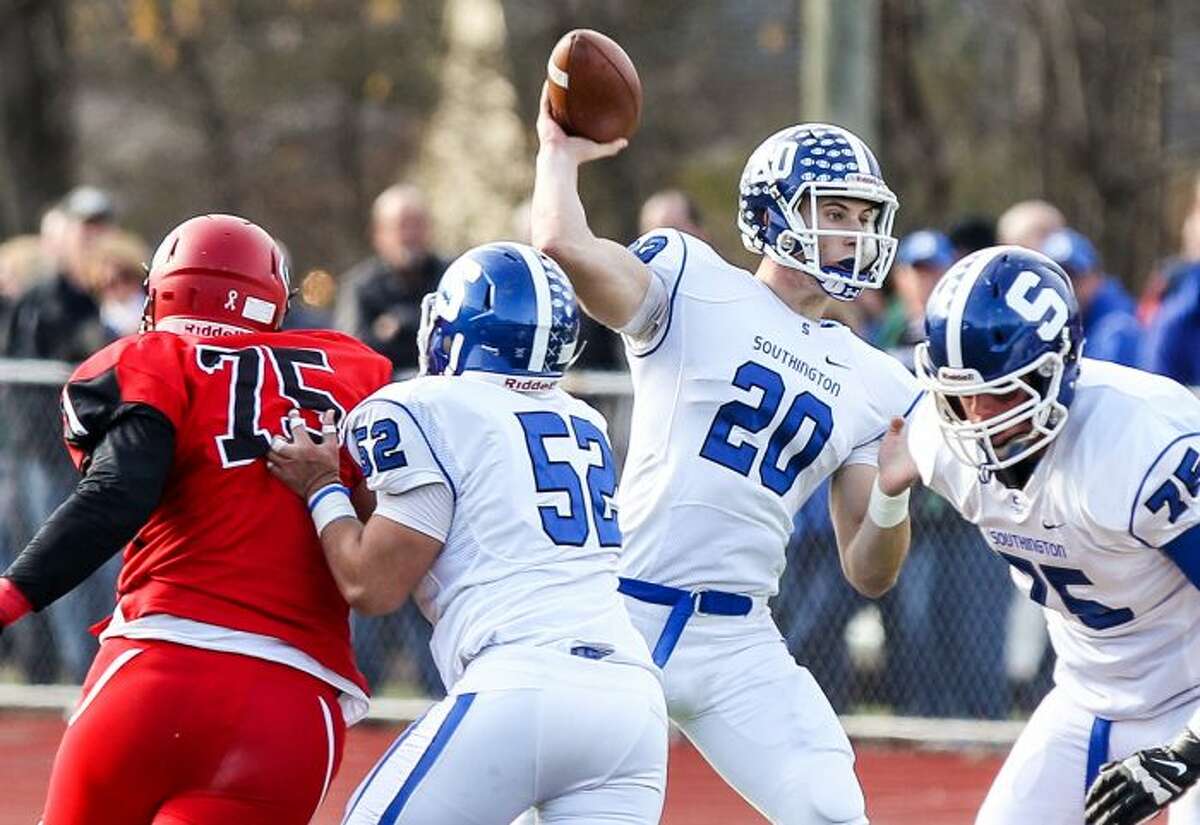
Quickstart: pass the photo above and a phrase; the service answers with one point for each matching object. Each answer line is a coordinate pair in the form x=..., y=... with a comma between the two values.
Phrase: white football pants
x=758, y=717
x=1044, y=778
x=587, y=745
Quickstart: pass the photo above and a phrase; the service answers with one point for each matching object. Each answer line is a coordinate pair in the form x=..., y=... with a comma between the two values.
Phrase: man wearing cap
x=58, y=319
x=1110, y=330
x=921, y=259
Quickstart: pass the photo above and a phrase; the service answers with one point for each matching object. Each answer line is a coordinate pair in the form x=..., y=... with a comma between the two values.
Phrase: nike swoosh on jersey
x=833, y=363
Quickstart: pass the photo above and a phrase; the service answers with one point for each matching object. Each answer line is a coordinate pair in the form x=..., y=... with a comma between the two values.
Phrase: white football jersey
x=531, y=556
x=1100, y=536
x=741, y=408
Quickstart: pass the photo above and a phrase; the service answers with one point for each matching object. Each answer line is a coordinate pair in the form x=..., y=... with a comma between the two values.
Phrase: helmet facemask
x=437, y=353
x=874, y=250
x=972, y=442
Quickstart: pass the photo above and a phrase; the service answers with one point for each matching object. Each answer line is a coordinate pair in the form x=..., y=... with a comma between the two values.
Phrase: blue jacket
x=1172, y=343
x=1110, y=328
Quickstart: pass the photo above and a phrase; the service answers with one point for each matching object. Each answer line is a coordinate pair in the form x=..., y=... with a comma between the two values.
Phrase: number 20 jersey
x=742, y=407
x=1104, y=536
x=531, y=556
x=228, y=544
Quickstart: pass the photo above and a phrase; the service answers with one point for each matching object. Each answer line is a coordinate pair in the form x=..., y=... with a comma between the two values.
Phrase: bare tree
x=35, y=110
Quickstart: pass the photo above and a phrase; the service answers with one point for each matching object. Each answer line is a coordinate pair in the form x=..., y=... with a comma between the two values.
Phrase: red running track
x=903, y=786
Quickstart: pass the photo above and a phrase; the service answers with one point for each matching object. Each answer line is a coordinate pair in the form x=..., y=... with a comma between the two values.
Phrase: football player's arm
x=1165, y=518
x=122, y=484
x=869, y=509
x=609, y=280
x=376, y=565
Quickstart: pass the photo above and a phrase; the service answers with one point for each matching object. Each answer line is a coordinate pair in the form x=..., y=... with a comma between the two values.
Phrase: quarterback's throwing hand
x=1136, y=788
x=581, y=150
x=302, y=464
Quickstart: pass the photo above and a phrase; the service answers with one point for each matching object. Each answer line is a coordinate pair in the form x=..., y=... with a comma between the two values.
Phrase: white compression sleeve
x=428, y=509
x=651, y=314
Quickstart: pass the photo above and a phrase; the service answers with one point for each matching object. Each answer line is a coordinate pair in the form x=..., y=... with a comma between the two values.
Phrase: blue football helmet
x=501, y=308
x=1002, y=320
x=795, y=167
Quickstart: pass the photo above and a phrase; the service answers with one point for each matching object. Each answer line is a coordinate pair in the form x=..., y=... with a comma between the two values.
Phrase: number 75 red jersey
x=229, y=545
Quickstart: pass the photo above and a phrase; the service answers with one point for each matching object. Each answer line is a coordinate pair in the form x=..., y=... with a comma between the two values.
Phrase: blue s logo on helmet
x=780, y=186
x=1004, y=322
x=504, y=309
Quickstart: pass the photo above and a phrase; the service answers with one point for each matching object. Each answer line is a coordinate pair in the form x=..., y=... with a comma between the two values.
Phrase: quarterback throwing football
x=745, y=400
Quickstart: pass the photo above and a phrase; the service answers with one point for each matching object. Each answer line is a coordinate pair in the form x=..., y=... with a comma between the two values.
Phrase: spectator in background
x=1027, y=223
x=31, y=645
x=1110, y=328
x=675, y=209
x=59, y=318
x=972, y=233
x=379, y=300
x=921, y=259
x=20, y=264
x=119, y=271
x=1171, y=345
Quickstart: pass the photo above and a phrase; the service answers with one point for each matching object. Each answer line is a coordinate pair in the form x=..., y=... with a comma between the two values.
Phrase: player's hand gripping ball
x=593, y=87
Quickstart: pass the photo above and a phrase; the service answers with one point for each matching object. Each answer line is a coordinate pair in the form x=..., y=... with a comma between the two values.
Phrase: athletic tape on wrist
x=329, y=504
x=887, y=511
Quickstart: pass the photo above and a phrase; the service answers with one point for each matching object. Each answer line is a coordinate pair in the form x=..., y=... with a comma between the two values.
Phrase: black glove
x=1136, y=788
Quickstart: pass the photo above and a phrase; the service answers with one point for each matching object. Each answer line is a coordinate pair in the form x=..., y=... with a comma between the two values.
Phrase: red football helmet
x=217, y=275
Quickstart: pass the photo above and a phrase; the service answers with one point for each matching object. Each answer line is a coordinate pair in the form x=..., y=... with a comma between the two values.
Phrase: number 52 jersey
x=531, y=554
x=742, y=407
x=1104, y=536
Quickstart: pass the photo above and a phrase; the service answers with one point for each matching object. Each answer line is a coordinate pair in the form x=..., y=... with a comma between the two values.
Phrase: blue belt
x=1097, y=750
x=683, y=604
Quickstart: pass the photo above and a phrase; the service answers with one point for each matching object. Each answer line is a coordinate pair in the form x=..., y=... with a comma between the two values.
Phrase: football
x=594, y=89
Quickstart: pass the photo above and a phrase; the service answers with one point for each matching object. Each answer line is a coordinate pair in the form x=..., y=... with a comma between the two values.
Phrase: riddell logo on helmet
x=198, y=327
x=863, y=178
x=527, y=384
x=951, y=375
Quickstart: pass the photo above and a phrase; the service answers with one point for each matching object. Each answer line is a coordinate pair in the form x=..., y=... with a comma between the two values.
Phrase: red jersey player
x=215, y=695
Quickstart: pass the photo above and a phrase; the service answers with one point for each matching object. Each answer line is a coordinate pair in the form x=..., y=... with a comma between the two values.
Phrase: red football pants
x=169, y=734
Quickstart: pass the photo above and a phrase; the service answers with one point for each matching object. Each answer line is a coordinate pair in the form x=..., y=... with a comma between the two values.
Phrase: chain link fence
x=947, y=641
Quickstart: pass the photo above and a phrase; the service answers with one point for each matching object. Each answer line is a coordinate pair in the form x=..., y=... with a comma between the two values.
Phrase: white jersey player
x=744, y=402
x=495, y=511
x=1083, y=476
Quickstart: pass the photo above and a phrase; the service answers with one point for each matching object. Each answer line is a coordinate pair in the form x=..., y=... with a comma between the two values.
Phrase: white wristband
x=887, y=511
x=329, y=504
